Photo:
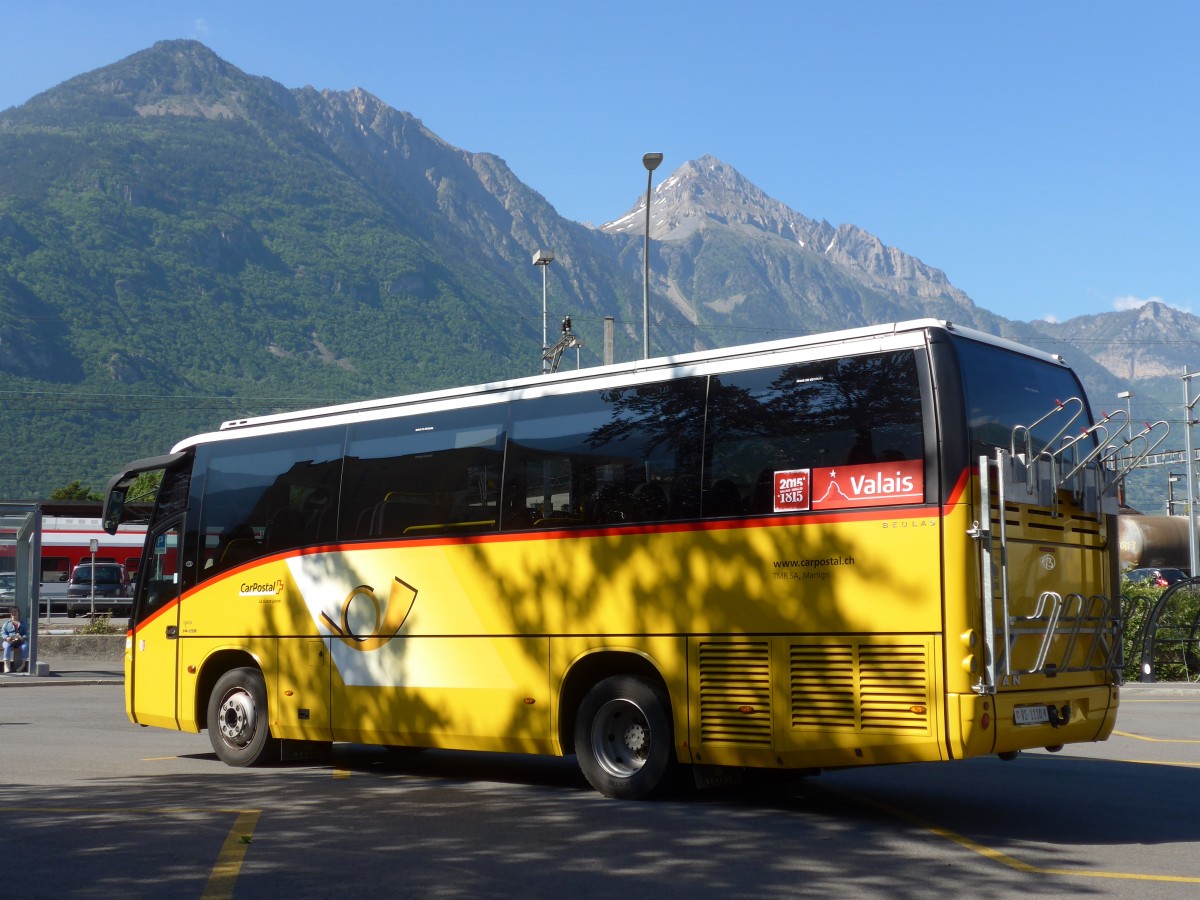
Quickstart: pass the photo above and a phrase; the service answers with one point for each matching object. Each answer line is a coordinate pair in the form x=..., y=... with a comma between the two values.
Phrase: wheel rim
x=237, y=718
x=621, y=738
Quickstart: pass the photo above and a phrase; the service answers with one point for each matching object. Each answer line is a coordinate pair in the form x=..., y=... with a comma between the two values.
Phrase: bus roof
x=316, y=416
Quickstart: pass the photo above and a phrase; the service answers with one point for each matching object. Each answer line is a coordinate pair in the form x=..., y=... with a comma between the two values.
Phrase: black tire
x=623, y=737
x=238, y=726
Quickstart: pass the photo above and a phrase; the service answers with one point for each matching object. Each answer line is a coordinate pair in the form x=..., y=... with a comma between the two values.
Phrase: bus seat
x=723, y=499
x=649, y=503
x=238, y=551
x=762, y=500
x=685, y=497
x=863, y=450
x=327, y=521
x=610, y=505
x=285, y=530
x=362, y=527
x=516, y=515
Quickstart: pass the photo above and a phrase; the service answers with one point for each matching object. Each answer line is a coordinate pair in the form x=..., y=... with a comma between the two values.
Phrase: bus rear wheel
x=623, y=737
x=237, y=718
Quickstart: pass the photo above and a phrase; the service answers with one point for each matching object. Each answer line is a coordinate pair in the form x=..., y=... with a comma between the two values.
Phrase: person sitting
x=13, y=635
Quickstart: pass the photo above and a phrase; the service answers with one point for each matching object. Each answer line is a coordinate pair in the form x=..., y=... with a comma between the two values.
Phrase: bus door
x=153, y=653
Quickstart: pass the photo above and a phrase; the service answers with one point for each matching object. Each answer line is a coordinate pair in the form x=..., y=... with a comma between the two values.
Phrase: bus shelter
x=20, y=555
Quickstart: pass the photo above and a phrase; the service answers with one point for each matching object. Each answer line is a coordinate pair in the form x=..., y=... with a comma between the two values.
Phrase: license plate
x=1030, y=715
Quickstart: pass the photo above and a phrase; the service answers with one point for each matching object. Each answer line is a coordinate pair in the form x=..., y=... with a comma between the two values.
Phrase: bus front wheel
x=237, y=718
x=623, y=737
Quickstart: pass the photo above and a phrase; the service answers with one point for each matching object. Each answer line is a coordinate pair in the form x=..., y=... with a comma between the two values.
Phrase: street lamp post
x=543, y=258
x=1190, y=459
x=1126, y=396
x=650, y=161
x=93, y=545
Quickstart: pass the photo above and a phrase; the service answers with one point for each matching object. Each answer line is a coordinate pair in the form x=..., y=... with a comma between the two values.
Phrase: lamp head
x=651, y=161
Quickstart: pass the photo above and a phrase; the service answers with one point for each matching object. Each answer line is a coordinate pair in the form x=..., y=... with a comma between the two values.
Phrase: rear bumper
x=1073, y=715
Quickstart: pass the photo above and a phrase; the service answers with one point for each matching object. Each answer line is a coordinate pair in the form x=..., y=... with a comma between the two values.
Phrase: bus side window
x=858, y=410
x=160, y=584
x=257, y=493
x=422, y=475
x=603, y=457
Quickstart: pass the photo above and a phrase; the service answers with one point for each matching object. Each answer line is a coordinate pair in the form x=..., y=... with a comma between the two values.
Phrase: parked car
x=1157, y=576
x=111, y=585
x=8, y=586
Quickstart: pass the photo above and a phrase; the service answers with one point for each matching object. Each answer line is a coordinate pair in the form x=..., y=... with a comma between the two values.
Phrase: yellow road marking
x=1196, y=699
x=1142, y=737
x=1001, y=857
x=339, y=772
x=225, y=871
x=228, y=866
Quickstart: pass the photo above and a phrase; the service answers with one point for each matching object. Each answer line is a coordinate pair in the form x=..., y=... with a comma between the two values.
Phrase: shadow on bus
x=619, y=588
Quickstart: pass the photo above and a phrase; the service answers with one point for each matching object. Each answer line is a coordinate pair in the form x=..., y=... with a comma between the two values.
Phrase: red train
x=68, y=530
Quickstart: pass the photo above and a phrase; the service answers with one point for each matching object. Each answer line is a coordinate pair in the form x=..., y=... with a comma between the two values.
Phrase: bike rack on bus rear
x=1088, y=466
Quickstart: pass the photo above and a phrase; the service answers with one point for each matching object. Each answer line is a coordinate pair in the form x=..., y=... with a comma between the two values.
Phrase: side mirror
x=114, y=506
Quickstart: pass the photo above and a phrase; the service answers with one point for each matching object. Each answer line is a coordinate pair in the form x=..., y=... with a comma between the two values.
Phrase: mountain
x=707, y=194
x=732, y=257
x=183, y=243
x=1152, y=341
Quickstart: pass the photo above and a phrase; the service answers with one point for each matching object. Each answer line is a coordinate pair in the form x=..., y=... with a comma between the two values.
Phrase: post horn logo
x=384, y=624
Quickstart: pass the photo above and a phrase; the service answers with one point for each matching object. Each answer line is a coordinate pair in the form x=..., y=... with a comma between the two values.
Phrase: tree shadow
x=455, y=823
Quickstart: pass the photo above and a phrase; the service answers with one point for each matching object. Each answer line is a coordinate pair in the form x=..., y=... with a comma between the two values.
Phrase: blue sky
x=1043, y=154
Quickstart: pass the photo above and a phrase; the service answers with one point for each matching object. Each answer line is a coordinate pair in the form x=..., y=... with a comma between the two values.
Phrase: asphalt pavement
x=99, y=808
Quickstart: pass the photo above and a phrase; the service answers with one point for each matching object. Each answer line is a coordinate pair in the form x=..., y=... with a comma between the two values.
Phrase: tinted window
x=104, y=575
x=268, y=494
x=171, y=497
x=606, y=457
x=55, y=568
x=160, y=582
x=810, y=419
x=424, y=475
x=1004, y=390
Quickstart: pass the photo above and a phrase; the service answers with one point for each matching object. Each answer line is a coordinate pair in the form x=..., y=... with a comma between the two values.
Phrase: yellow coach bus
x=889, y=544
